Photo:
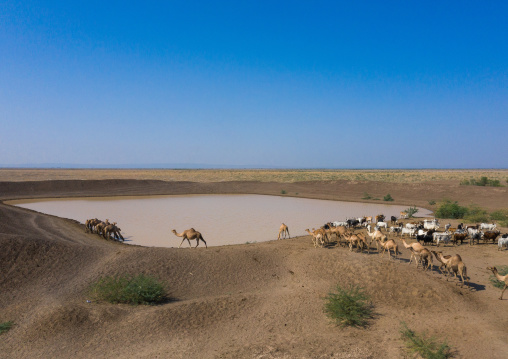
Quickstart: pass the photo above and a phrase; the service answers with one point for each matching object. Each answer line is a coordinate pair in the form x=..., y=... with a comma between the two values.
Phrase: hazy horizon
x=191, y=166
x=265, y=84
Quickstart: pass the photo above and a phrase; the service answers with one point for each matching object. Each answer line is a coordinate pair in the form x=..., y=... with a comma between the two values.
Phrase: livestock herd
x=351, y=233
x=104, y=229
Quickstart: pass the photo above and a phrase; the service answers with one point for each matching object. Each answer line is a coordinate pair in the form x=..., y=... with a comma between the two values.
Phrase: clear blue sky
x=360, y=84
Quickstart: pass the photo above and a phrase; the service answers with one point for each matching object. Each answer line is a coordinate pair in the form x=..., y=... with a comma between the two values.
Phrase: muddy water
x=222, y=219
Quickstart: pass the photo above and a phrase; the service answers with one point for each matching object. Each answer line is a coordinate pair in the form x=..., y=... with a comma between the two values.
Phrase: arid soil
x=261, y=300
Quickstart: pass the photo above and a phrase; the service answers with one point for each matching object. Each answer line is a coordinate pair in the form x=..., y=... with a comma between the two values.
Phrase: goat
x=444, y=237
x=394, y=219
x=459, y=236
x=476, y=236
x=487, y=226
x=427, y=238
x=430, y=225
x=351, y=222
x=490, y=235
x=503, y=242
x=395, y=229
x=382, y=224
x=410, y=231
x=472, y=231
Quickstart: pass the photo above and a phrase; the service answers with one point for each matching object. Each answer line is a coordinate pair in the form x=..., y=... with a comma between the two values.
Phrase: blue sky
x=331, y=84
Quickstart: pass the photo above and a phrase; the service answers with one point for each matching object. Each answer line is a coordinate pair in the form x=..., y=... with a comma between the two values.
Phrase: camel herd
x=105, y=229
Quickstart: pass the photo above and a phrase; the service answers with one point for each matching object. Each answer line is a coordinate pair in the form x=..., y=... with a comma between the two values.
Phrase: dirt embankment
x=261, y=300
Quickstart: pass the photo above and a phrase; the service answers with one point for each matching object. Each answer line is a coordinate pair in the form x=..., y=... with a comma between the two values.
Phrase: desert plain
x=257, y=300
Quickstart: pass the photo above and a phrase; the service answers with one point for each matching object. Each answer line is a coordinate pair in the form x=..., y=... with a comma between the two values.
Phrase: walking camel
x=283, y=230
x=500, y=278
x=416, y=250
x=389, y=244
x=453, y=263
x=317, y=237
x=189, y=234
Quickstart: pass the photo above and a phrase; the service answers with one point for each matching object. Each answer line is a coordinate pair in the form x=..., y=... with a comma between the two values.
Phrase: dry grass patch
x=262, y=175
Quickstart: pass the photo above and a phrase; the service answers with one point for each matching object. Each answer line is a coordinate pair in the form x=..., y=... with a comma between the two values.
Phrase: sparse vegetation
x=449, y=209
x=5, y=327
x=366, y=196
x=349, y=307
x=501, y=216
x=140, y=289
x=282, y=176
x=283, y=191
x=483, y=181
x=426, y=347
x=432, y=202
x=476, y=214
x=502, y=270
x=388, y=198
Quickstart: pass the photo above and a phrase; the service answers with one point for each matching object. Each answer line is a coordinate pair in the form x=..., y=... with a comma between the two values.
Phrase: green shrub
x=140, y=289
x=432, y=202
x=449, y=209
x=411, y=211
x=366, y=196
x=483, y=181
x=476, y=214
x=502, y=270
x=427, y=348
x=499, y=215
x=283, y=191
x=349, y=307
x=388, y=198
x=5, y=327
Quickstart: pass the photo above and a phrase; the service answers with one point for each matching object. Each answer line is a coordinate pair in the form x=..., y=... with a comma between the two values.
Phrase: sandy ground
x=261, y=300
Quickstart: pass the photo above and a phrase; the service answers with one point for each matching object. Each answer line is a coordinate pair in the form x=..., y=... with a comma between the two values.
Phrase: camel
x=339, y=232
x=424, y=257
x=443, y=264
x=283, y=230
x=353, y=239
x=389, y=244
x=90, y=224
x=415, y=248
x=377, y=234
x=500, y=278
x=99, y=228
x=363, y=242
x=189, y=234
x=112, y=231
x=453, y=263
x=317, y=236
